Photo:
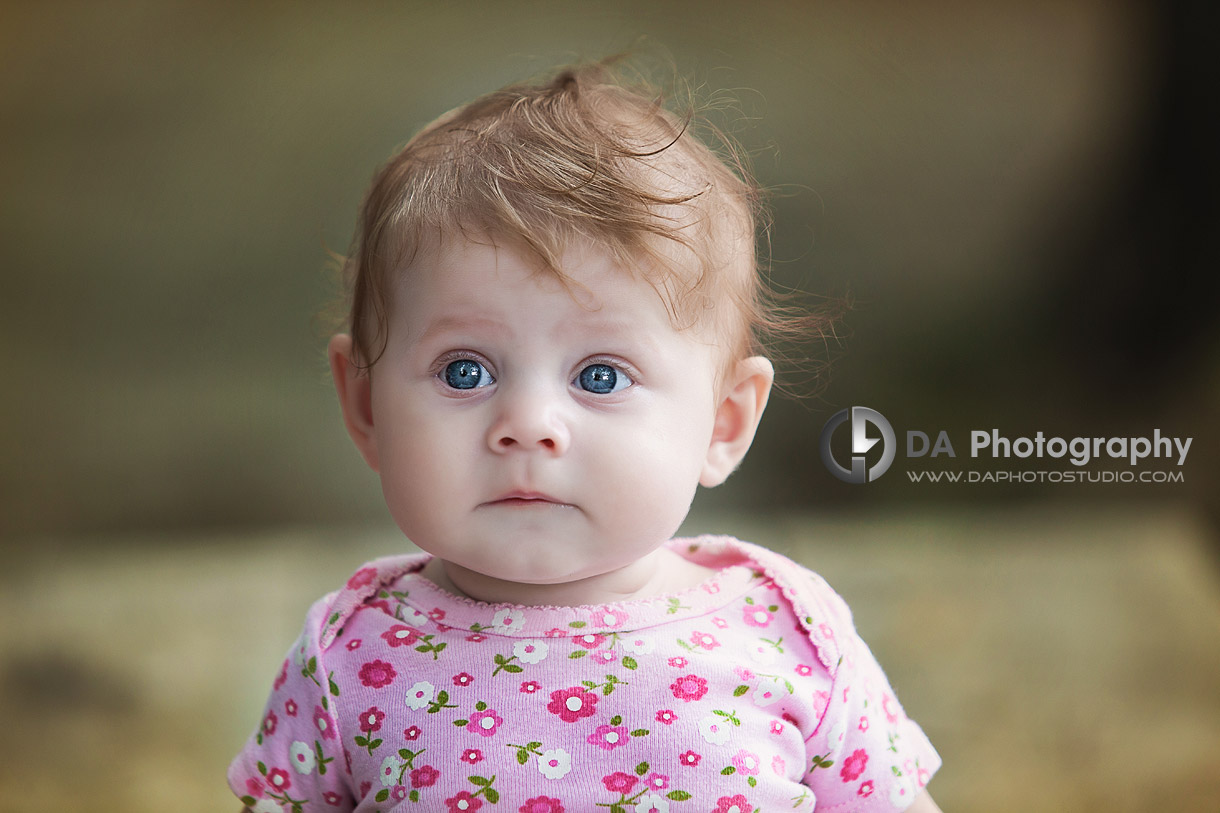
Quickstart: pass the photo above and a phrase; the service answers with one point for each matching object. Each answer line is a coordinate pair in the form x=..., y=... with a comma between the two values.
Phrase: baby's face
x=523, y=436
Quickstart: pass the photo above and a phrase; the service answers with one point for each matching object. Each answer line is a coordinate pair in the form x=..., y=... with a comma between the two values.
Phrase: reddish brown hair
x=582, y=156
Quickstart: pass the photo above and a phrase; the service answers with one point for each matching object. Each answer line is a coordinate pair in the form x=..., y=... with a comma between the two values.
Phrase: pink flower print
x=777, y=727
x=689, y=687
x=365, y=787
x=733, y=804
x=472, y=756
x=608, y=617
x=922, y=776
x=436, y=614
x=804, y=669
x=608, y=737
x=424, y=777
x=361, y=577
x=866, y=789
x=854, y=765
x=484, y=723
x=269, y=723
x=282, y=677
x=322, y=722
x=656, y=781
x=778, y=765
x=278, y=779
x=743, y=673
x=590, y=640
x=666, y=716
x=863, y=726
x=826, y=631
x=412, y=733
x=353, y=644
x=463, y=679
x=755, y=616
x=379, y=604
x=619, y=782
x=476, y=638
x=720, y=622
x=603, y=656
x=290, y=707
x=462, y=803
x=890, y=706
x=573, y=703
x=689, y=758
x=530, y=687
x=331, y=798
x=399, y=793
x=400, y=635
x=370, y=720
x=703, y=639
x=541, y=804
x=377, y=674
x=820, y=701
x=746, y=762
x=554, y=632
x=254, y=787
x=678, y=662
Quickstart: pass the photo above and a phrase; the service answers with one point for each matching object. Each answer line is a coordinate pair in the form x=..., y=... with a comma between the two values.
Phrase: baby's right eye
x=466, y=374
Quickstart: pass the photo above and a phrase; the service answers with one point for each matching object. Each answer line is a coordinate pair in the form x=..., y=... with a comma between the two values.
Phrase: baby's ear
x=737, y=416
x=355, y=391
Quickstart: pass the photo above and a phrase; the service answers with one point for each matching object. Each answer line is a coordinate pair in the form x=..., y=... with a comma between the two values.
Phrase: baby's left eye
x=602, y=379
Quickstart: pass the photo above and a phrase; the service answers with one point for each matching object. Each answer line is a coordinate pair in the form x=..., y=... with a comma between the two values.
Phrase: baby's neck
x=659, y=573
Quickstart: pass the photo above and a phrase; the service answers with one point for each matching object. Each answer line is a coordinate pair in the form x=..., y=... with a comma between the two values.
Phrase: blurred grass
x=1060, y=659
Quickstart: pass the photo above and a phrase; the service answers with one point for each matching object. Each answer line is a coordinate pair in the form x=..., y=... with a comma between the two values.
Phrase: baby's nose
x=529, y=420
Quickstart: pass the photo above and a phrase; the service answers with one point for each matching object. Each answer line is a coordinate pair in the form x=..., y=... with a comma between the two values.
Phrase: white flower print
x=302, y=758
x=508, y=620
x=715, y=729
x=530, y=651
x=420, y=695
x=266, y=806
x=762, y=653
x=836, y=734
x=555, y=763
x=768, y=692
x=300, y=654
x=652, y=803
x=390, y=768
x=901, y=792
x=414, y=617
x=639, y=644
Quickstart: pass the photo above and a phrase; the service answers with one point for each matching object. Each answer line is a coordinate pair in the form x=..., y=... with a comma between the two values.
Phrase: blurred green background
x=1019, y=198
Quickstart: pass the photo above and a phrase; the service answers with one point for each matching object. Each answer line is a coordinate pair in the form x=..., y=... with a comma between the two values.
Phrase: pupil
x=598, y=378
x=463, y=375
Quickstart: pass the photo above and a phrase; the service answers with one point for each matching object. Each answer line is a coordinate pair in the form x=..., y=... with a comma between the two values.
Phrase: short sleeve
x=866, y=754
x=294, y=760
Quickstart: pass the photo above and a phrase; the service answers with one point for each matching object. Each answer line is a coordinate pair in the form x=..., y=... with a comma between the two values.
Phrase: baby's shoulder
x=821, y=612
x=371, y=583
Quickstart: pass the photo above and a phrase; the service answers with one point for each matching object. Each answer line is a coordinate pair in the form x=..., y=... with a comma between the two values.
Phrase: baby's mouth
x=527, y=499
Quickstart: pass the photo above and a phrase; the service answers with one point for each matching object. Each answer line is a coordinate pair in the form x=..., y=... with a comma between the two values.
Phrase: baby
x=553, y=342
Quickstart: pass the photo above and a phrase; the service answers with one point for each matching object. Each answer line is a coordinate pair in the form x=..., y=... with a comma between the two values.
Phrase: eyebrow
x=450, y=323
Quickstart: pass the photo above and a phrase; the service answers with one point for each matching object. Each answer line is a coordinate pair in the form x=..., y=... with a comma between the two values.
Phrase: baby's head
x=554, y=304
x=577, y=159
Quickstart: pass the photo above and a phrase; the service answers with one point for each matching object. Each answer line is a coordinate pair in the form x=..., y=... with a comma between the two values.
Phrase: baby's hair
x=588, y=156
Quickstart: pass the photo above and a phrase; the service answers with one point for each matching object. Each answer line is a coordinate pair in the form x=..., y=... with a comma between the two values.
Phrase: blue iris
x=466, y=374
x=599, y=378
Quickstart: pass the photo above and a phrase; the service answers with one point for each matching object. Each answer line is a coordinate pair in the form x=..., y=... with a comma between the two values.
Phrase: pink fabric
x=751, y=692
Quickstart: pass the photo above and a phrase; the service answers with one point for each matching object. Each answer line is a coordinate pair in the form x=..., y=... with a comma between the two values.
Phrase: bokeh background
x=1019, y=198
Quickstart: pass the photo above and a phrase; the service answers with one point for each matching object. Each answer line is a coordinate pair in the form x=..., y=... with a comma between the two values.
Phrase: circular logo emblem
x=860, y=417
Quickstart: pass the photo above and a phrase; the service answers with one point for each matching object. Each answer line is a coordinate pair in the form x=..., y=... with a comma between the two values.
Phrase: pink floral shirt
x=749, y=692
